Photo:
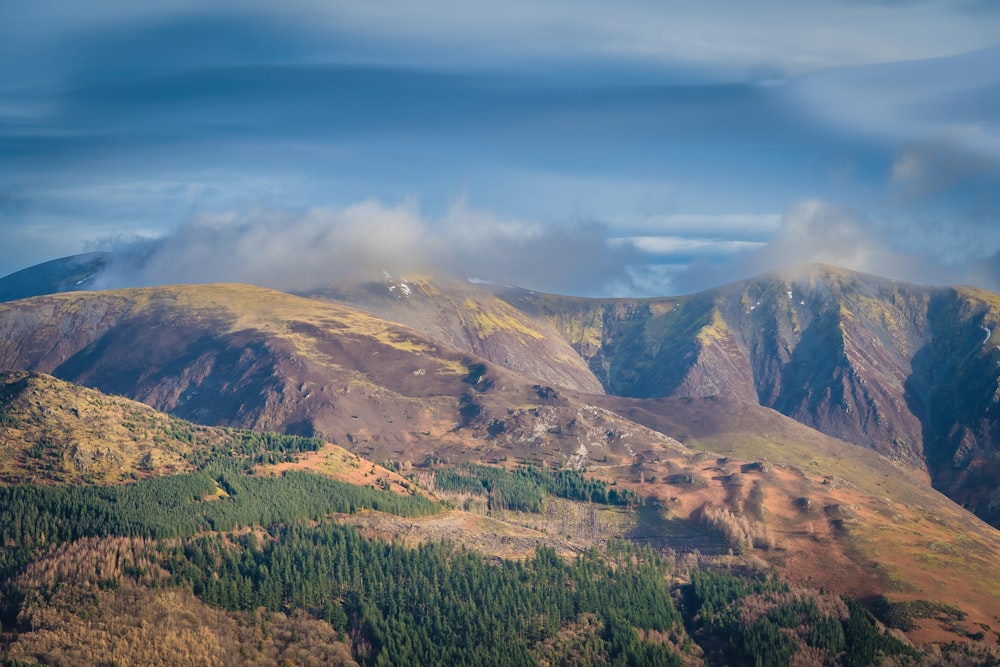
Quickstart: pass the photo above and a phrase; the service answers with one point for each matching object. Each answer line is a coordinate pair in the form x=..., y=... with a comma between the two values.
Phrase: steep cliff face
x=833, y=350
x=955, y=391
x=908, y=371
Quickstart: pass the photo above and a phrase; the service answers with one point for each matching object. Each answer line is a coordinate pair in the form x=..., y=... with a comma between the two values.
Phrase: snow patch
x=989, y=334
x=404, y=289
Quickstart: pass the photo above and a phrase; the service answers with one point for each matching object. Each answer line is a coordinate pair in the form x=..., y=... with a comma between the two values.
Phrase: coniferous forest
x=270, y=554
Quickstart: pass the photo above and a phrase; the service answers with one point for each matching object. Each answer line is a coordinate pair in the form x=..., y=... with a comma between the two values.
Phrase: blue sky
x=630, y=148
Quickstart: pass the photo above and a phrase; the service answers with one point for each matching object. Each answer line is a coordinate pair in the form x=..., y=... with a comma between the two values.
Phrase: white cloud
x=727, y=34
x=940, y=98
x=299, y=251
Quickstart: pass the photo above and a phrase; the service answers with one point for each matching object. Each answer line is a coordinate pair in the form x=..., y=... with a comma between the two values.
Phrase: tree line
x=524, y=488
x=33, y=517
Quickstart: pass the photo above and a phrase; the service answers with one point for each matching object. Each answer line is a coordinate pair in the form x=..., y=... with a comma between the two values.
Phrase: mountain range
x=909, y=371
x=842, y=426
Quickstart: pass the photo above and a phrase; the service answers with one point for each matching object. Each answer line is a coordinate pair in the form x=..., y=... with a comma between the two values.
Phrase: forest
x=272, y=548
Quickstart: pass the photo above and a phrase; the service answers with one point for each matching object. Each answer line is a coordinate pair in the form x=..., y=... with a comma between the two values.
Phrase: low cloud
x=301, y=251
x=816, y=231
x=307, y=250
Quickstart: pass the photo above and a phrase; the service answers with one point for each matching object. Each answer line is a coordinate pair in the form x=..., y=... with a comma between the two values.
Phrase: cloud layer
x=321, y=246
x=632, y=148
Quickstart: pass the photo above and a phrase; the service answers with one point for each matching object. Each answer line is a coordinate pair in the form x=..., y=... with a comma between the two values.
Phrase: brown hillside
x=472, y=318
x=51, y=430
x=819, y=509
x=907, y=371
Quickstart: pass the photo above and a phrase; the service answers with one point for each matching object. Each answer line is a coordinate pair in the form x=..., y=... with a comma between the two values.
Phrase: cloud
x=274, y=248
x=961, y=158
x=942, y=99
x=686, y=247
x=730, y=38
x=290, y=133
x=301, y=251
x=731, y=226
x=817, y=231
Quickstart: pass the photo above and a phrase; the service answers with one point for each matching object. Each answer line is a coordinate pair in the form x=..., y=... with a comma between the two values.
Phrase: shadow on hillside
x=950, y=390
x=657, y=529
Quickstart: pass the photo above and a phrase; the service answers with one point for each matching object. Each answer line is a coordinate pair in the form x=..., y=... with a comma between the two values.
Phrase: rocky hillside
x=54, y=431
x=908, y=371
x=242, y=356
x=472, y=318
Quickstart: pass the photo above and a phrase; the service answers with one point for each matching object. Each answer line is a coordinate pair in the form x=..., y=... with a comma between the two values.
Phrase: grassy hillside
x=472, y=318
x=55, y=431
x=828, y=512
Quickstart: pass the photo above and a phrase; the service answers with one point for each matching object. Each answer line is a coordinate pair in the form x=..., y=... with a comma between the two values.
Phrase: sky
x=634, y=148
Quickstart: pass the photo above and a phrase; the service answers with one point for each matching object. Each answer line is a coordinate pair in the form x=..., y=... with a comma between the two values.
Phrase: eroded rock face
x=908, y=371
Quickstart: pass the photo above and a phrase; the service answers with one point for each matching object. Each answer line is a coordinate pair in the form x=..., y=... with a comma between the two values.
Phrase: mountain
x=66, y=274
x=905, y=370
x=255, y=358
x=474, y=319
x=685, y=422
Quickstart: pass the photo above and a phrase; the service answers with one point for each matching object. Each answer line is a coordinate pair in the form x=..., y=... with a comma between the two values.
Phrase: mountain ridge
x=906, y=370
x=899, y=368
x=710, y=459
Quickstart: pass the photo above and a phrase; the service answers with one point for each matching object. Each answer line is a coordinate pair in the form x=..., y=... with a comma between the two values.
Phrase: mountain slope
x=59, y=432
x=231, y=354
x=66, y=274
x=905, y=370
x=821, y=510
x=908, y=371
x=255, y=358
x=470, y=317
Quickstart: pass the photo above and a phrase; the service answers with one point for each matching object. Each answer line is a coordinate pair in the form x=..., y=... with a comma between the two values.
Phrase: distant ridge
x=66, y=274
